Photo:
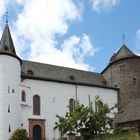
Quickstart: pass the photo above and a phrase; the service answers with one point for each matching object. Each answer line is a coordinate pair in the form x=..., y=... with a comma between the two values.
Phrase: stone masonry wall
x=125, y=74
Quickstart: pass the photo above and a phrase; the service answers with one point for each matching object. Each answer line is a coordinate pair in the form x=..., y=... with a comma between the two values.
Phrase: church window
x=36, y=105
x=134, y=81
x=71, y=105
x=8, y=89
x=122, y=67
x=23, y=96
x=21, y=125
x=9, y=129
x=13, y=91
x=8, y=108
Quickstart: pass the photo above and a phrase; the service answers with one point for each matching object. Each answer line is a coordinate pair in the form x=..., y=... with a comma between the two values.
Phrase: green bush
x=19, y=134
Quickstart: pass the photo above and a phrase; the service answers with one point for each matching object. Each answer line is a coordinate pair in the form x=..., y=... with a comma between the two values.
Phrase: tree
x=87, y=120
x=19, y=134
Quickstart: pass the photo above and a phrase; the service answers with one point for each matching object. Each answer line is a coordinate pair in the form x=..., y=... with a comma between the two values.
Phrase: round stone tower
x=123, y=72
x=10, y=71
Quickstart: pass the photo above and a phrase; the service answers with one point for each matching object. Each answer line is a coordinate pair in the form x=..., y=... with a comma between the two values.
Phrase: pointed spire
x=122, y=53
x=6, y=43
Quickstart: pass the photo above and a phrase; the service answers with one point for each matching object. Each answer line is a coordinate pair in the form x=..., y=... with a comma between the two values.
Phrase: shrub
x=19, y=134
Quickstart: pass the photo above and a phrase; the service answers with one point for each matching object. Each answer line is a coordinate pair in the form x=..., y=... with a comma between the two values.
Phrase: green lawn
x=121, y=136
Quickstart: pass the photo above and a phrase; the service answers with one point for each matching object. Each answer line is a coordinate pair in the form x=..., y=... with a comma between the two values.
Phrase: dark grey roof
x=34, y=70
x=131, y=112
x=6, y=43
x=123, y=52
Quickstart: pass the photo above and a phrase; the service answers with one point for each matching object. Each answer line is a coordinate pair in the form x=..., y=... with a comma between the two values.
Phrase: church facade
x=32, y=94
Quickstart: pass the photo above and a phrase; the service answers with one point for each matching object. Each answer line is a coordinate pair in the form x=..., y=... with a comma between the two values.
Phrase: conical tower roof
x=122, y=53
x=6, y=43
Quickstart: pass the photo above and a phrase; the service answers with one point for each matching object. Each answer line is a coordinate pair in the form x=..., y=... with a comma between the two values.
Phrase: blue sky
x=82, y=34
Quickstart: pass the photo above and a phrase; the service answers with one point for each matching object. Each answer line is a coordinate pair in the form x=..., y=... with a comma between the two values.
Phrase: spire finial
x=6, y=17
x=123, y=39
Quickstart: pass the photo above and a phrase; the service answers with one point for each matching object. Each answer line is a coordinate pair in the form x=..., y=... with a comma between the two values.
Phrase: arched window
x=36, y=105
x=71, y=105
x=134, y=82
x=23, y=96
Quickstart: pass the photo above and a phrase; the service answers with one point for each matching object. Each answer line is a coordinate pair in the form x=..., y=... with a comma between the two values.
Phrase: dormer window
x=6, y=48
x=72, y=77
x=30, y=72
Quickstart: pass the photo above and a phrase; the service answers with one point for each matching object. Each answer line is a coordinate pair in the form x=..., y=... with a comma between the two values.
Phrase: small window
x=8, y=89
x=36, y=105
x=122, y=67
x=30, y=72
x=72, y=77
x=6, y=48
x=21, y=125
x=71, y=105
x=13, y=90
x=134, y=81
x=9, y=129
x=23, y=96
x=8, y=108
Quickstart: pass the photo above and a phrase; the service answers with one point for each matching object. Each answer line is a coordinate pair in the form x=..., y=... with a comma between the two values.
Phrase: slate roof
x=40, y=71
x=123, y=52
x=6, y=43
x=131, y=112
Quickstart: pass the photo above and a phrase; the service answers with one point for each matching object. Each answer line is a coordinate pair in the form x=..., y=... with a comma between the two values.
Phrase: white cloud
x=103, y=5
x=36, y=29
x=138, y=38
x=71, y=54
x=2, y=8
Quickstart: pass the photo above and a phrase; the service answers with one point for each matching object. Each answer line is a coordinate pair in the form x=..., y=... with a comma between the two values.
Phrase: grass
x=121, y=136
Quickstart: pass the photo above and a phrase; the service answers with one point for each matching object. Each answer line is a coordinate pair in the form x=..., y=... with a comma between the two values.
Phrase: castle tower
x=10, y=71
x=123, y=72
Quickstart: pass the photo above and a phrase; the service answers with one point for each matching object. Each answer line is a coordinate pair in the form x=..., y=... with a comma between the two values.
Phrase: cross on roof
x=123, y=39
x=6, y=16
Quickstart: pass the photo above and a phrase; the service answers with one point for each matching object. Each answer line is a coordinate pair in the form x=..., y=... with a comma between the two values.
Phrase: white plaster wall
x=9, y=77
x=55, y=99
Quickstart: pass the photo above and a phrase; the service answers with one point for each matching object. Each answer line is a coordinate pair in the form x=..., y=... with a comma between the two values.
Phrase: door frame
x=41, y=123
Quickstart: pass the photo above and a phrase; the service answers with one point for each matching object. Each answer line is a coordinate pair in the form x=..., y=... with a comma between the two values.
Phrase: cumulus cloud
x=2, y=9
x=71, y=54
x=138, y=38
x=103, y=5
x=38, y=24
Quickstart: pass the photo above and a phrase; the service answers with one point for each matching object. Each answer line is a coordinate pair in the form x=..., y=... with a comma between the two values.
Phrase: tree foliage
x=19, y=134
x=87, y=120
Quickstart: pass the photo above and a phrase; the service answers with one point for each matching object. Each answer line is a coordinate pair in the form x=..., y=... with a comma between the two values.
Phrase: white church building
x=31, y=93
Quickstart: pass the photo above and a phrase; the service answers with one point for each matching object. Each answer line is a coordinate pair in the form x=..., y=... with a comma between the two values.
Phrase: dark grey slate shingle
x=42, y=71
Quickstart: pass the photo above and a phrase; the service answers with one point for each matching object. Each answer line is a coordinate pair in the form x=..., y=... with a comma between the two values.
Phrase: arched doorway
x=36, y=132
x=37, y=128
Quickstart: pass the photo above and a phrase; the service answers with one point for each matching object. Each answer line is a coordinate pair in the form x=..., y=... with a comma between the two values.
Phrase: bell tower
x=10, y=71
